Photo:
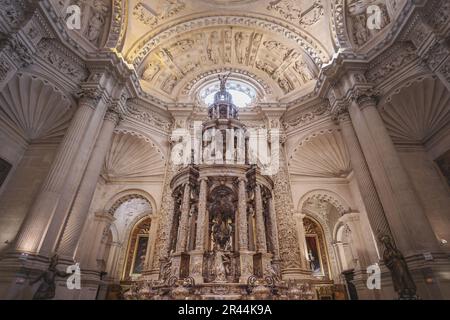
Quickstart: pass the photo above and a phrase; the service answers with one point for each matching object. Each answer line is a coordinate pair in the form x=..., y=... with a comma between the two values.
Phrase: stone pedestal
x=261, y=261
x=196, y=266
x=180, y=265
x=245, y=265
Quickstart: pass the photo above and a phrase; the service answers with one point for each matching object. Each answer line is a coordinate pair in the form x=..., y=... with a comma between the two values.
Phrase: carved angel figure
x=96, y=21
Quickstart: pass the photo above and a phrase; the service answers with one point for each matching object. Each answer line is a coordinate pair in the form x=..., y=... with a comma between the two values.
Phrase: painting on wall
x=140, y=252
x=137, y=250
x=314, y=256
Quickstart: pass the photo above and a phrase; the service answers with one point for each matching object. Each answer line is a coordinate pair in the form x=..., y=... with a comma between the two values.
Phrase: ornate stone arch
x=190, y=86
x=333, y=198
x=148, y=42
x=121, y=197
x=338, y=24
x=118, y=26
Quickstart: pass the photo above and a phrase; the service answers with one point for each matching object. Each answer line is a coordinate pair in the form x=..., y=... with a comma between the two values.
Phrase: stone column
x=73, y=180
x=245, y=257
x=274, y=228
x=196, y=263
x=184, y=219
x=374, y=208
x=293, y=260
x=166, y=219
x=180, y=259
x=407, y=220
x=75, y=222
x=35, y=227
x=202, y=216
x=261, y=244
x=242, y=222
x=262, y=259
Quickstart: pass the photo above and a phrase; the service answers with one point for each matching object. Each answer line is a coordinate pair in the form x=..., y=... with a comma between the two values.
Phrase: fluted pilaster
x=404, y=212
x=375, y=212
x=79, y=211
x=35, y=226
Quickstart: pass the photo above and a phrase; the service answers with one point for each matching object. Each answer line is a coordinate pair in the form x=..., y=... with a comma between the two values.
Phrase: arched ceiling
x=279, y=44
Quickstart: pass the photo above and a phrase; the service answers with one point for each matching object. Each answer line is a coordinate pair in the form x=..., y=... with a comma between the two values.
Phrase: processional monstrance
x=225, y=232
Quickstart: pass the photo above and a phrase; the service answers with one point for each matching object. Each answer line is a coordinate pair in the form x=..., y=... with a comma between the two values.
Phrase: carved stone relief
x=362, y=13
x=95, y=19
x=170, y=63
x=304, y=13
x=151, y=15
x=52, y=53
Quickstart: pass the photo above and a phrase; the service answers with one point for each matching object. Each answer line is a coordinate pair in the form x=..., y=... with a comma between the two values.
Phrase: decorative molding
x=149, y=42
x=327, y=196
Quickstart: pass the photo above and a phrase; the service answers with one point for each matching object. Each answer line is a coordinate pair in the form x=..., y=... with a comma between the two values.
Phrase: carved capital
x=113, y=116
x=91, y=96
x=340, y=114
x=365, y=97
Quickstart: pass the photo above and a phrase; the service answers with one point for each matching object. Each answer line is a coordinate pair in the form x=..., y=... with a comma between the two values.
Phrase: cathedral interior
x=224, y=149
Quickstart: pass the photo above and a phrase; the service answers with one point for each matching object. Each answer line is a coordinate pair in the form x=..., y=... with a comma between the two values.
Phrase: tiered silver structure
x=223, y=237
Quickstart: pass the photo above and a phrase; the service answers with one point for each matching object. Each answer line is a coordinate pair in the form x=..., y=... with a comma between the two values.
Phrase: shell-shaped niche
x=321, y=155
x=35, y=108
x=417, y=112
x=132, y=157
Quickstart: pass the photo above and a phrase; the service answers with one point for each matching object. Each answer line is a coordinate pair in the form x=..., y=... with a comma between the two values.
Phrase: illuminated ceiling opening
x=244, y=95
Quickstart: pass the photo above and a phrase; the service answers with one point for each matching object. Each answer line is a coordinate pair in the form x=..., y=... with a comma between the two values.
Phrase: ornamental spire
x=223, y=80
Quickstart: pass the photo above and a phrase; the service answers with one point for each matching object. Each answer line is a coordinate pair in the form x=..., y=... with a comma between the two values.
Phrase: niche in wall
x=444, y=164
x=5, y=168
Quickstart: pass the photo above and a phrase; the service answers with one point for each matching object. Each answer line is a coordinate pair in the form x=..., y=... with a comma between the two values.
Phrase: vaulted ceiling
x=278, y=45
x=271, y=43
